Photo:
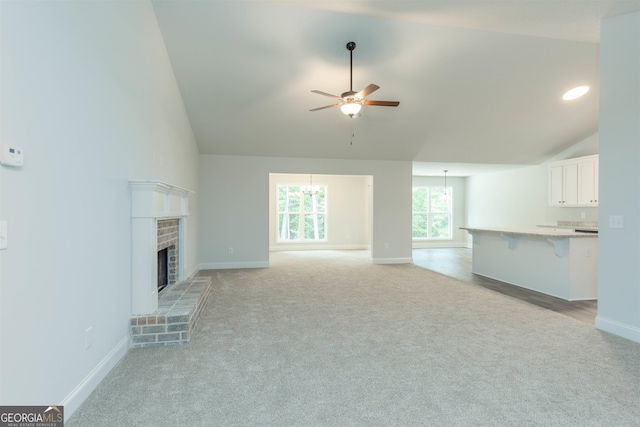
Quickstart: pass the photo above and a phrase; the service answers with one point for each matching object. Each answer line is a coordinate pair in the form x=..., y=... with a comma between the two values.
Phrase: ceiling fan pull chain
x=353, y=132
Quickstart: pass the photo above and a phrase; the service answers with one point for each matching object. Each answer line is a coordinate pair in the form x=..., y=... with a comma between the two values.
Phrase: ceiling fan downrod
x=350, y=47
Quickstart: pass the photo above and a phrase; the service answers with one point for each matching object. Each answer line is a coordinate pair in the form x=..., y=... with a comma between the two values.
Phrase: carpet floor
x=325, y=338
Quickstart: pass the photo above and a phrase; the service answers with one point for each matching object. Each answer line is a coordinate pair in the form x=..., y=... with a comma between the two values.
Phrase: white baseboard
x=89, y=383
x=232, y=265
x=392, y=260
x=620, y=329
x=315, y=247
x=438, y=244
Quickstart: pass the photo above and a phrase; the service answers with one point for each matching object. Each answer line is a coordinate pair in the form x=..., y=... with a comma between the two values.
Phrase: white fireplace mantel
x=152, y=201
x=157, y=199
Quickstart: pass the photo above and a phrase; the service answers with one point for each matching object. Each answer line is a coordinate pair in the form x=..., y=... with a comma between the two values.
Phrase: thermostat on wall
x=11, y=156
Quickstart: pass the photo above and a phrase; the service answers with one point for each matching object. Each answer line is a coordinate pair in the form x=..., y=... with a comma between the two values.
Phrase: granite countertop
x=573, y=225
x=544, y=232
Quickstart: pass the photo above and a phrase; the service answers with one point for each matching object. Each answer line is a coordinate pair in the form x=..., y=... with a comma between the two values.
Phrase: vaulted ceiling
x=478, y=81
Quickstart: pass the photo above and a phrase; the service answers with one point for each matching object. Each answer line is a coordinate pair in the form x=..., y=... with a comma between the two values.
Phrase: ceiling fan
x=351, y=102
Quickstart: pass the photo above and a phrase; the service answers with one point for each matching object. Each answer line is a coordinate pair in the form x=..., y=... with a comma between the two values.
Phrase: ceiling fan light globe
x=350, y=108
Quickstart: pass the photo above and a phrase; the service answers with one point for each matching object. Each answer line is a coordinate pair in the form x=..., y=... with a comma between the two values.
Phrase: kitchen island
x=561, y=263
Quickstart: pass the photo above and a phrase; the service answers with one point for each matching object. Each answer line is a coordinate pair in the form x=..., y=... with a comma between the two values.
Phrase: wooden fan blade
x=326, y=106
x=367, y=91
x=319, y=92
x=383, y=103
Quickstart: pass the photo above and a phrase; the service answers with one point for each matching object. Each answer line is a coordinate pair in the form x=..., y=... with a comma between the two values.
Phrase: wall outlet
x=583, y=215
x=230, y=250
x=386, y=246
x=88, y=337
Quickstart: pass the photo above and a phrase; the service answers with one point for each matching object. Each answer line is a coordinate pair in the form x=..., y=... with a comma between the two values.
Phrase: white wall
x=89, y=94
x=519, y=197
x=234, y=206
x=347, y=211
x=458, y=186
x=513, y=198
x=619, y=248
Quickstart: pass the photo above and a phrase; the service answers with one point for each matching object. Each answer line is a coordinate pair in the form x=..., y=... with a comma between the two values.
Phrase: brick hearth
x=179, y=307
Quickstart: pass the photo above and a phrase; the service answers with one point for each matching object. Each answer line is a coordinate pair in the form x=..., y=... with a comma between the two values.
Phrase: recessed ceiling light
x=576, y=92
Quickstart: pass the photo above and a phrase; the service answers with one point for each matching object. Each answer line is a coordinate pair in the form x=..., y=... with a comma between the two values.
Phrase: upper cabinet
x=563, y=185
x=574, y=182
x=588, y=182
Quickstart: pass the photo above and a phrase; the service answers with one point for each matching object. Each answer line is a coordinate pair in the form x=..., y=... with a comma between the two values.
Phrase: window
x=302, y=213
x=432, y=212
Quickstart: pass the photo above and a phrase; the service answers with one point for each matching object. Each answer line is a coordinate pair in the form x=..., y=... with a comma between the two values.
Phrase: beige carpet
x=328, y=339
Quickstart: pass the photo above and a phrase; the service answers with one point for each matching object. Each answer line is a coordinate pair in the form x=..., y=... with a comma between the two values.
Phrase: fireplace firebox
x=163, y=269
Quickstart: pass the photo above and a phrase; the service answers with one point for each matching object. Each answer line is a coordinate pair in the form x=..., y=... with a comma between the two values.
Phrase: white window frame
x=301, y=214
x=429, y=213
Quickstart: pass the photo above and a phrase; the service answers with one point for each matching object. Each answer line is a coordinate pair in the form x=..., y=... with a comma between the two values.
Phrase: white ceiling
x=479, y=82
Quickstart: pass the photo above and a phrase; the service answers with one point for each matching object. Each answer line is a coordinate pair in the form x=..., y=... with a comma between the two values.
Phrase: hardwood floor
x=456, y=263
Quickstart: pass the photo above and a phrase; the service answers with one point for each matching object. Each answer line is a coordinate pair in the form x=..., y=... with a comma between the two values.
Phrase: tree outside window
x=302, y=213
x=432, y=211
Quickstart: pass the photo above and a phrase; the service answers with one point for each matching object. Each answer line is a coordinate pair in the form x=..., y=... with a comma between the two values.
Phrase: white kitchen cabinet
x=563, y=185
x=588, y=182
x=556, y=184
x=574, y=182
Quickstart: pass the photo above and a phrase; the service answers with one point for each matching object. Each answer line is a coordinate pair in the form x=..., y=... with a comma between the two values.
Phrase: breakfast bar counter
x=561, y=263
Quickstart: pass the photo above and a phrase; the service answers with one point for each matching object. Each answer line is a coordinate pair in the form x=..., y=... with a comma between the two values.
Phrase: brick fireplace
x=159, y=221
